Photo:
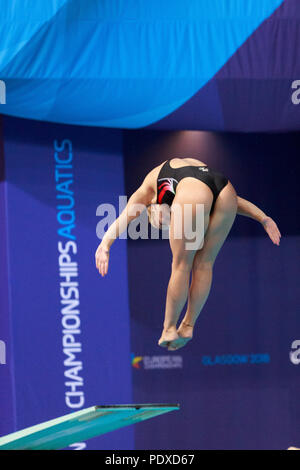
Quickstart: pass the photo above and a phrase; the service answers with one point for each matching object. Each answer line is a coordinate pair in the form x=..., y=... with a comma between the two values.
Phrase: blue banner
x=7, y=404
x=70, y=331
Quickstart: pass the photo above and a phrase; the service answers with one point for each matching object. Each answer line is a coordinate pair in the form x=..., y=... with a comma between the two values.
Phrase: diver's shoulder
x=178, y=162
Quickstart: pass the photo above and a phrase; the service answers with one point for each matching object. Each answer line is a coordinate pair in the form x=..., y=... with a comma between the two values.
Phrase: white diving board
x=79, y=426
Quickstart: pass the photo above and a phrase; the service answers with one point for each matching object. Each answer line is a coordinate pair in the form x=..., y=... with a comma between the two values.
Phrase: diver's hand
x=102, y=258
x=272, y=230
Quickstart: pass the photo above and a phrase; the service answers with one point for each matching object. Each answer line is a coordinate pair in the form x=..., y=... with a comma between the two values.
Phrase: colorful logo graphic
x=136, y=361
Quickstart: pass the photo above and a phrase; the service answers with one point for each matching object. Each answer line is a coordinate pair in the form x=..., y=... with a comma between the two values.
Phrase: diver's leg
x=218, y=229
x=183, y=257
x=177, y=292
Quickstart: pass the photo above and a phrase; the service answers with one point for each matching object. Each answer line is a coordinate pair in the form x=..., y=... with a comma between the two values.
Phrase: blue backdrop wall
x=235, y=381
x=7, y=402
x=70, y=338
x=69, y=343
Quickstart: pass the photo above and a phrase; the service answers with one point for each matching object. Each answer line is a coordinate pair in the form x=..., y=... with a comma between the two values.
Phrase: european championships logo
x=156, y=362
x=136, y=361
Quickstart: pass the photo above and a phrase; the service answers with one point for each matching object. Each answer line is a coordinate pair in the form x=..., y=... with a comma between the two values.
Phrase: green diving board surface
x=80, y=426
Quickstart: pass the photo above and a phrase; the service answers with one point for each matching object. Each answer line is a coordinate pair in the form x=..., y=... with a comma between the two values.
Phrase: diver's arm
x=135, y=206
x=142, y=197
x=248, y=209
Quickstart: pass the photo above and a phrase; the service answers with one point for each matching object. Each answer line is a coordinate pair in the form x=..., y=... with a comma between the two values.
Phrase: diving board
x=80, y=426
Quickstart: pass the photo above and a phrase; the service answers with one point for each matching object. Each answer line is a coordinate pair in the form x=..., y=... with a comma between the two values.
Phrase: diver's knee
x=182, y=262
x=203, y=265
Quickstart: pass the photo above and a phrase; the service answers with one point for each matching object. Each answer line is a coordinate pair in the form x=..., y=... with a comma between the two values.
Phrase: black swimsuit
x=169, y=178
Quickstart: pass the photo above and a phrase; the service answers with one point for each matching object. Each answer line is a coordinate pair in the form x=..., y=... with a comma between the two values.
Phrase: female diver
x=184, y=181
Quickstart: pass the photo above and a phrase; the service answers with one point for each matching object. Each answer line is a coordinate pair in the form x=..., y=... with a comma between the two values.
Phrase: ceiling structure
x=222, y=65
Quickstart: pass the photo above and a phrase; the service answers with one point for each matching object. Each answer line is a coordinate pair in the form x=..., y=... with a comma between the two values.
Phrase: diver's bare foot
x=168, y=335
x=185, y=334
